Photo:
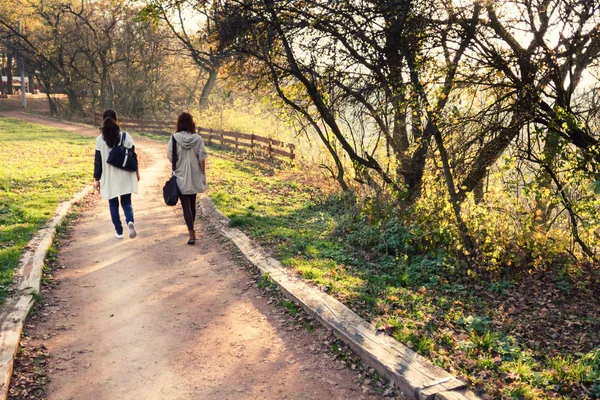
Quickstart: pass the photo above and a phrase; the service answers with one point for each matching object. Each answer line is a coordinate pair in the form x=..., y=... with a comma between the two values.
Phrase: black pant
x=188, y=203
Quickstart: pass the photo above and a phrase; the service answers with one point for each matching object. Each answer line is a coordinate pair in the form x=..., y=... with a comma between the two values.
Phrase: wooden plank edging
x=27, y=281
x=413, y=374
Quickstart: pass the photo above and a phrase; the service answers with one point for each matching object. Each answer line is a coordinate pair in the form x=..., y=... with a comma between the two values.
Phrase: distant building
x=16, y=82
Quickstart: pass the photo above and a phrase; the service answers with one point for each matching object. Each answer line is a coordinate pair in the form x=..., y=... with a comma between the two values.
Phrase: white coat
x=114, y=181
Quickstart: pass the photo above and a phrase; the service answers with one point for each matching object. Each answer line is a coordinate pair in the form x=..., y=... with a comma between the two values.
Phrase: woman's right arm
x=97, y=167
x=170, y=149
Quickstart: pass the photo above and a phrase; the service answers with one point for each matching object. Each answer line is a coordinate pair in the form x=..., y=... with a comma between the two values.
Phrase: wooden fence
x=234, y=139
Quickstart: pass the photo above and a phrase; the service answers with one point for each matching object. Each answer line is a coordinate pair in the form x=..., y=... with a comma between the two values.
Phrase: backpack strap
x=174, y=154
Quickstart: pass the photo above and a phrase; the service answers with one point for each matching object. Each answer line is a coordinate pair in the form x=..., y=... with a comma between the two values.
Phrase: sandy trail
x=154, y=318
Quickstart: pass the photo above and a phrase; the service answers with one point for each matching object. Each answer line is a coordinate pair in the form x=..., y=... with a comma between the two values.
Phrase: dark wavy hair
x=111, y=132
x=185, y=123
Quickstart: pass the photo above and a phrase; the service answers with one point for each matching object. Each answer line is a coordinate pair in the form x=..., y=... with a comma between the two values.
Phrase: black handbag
x=170, y=190
x=122, y=157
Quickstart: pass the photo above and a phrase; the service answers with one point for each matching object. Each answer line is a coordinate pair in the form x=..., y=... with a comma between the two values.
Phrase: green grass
x=292, y=308
x=421, y=300
x=39, y=167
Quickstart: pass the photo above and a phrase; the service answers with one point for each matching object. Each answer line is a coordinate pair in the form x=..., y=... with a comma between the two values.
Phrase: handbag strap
x=123, y=133
x=174, y=157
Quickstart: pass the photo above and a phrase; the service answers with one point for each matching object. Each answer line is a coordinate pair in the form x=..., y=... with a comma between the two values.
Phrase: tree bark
x=45, y=82
x=466, y=239
x=31, y=86
x=414, y=169
x=9, y=76
x=208, y=87
x=74, y=103
x=478, y=192
x=491, y=152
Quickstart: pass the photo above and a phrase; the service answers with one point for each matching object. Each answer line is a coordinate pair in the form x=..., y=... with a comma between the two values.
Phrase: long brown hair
x=111, y=132
x=185, y=123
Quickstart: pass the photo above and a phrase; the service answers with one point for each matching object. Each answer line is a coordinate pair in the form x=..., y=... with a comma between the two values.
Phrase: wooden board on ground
x=27, y=282
x=413, y=374
x=458, y=395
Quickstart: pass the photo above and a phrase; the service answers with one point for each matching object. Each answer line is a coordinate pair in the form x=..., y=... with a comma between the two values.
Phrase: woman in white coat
x=114, y=183
x=190, y=168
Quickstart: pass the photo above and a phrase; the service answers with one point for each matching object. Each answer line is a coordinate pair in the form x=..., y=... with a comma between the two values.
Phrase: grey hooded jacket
x=190, y=152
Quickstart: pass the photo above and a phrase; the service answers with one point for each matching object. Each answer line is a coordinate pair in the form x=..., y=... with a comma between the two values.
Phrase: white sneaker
x=118, y=236
x=132, y=232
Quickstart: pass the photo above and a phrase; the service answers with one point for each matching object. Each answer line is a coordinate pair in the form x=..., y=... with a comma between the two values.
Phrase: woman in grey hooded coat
x=190, y=168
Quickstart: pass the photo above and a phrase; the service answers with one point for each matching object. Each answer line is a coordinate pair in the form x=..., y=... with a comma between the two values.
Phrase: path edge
x=27, y=281
x=413, y=374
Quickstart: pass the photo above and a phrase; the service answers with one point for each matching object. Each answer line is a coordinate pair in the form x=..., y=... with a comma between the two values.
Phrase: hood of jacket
x=186, y=139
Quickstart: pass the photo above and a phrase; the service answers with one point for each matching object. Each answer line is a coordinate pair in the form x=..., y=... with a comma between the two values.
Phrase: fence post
x=292, y=156
x=270, y=149
x=210, y=136
x=236, y=143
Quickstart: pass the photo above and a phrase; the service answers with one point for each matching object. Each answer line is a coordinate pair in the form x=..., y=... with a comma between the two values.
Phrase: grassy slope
x=463, y=326
x=451, y=322
x=39, y=167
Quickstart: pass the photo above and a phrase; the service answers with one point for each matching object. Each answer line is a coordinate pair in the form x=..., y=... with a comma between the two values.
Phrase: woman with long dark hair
x=190, y=168
x=114, y=183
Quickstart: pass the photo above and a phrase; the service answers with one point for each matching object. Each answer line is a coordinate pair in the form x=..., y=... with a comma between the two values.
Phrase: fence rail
x=238, y=139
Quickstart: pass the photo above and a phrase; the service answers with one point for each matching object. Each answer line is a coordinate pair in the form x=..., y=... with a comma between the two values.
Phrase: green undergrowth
x=468, y=324
x=39, y=168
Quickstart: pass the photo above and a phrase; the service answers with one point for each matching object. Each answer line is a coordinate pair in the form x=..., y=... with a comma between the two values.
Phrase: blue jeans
x=113, y=204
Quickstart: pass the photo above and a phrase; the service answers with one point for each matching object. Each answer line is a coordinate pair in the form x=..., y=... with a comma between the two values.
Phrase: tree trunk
x=466, y=239
x=9, y=76
x=2, y=73
x=414, y=167
x=74, y=103
x=52, y=104
x=31, y=85
x=208, y=87
x=400, y=132
x=413, y=172
x=1, y=83
x=105, y=91
x=478, y=192
x=399, y=140
x=47, y=89
x=545, y=179
x=492, y=151
x=395, y=18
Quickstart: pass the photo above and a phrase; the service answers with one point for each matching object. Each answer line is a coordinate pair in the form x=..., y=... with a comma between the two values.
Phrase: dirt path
x=154, y=318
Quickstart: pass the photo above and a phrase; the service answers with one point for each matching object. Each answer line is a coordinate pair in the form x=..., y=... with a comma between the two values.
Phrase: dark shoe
x=192, y=237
